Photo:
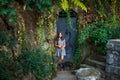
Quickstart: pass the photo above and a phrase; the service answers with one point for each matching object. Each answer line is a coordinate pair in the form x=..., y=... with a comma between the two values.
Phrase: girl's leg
x=59, y=60
x=62, y=65
x=62, y=57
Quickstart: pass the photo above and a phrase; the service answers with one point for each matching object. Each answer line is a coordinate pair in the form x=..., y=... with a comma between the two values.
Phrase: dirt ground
x=64, y=75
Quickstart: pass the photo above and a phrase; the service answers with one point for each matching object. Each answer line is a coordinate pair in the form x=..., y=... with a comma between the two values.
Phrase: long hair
x=57, y=38
x=62, y=38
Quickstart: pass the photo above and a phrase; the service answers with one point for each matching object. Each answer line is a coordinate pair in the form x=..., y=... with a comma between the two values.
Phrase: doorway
x=68, y=33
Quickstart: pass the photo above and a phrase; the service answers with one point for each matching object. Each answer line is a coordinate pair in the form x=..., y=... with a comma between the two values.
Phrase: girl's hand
x=59, y=46
x=62, y=48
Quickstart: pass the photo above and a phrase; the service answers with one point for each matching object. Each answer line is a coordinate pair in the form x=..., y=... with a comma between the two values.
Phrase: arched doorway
x=68, y=33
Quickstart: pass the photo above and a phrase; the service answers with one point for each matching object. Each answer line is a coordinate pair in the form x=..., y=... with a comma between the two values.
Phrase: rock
x=110, y=58
x=113, y=44
x=88, y=74
x=46, y=46
x=113, y=69
x=113, y=57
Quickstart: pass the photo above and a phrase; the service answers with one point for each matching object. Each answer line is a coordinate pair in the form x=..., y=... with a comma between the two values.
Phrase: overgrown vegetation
x=37, y=62
x=7, y=56
x=17, y=57
x=8, y=10
x=96, y=32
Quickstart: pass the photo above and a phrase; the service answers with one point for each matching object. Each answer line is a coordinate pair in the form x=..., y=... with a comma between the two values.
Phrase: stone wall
x=113, y=56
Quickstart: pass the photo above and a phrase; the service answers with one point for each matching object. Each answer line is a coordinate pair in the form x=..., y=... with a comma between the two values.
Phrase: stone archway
x=68, y=33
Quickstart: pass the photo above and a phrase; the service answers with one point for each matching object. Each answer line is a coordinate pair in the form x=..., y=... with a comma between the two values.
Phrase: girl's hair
x=57, y=38
x=62, y=38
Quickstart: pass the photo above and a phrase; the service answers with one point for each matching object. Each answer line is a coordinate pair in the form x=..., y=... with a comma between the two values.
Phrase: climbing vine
x=7, y=10
x=39, y=61
x=96, y=30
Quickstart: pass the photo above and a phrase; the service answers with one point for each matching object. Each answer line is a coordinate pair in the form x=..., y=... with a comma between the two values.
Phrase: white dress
x=60, y=52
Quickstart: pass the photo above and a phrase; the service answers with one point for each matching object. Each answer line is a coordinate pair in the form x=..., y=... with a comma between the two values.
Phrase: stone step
x=112, y=77
x=64, y=75
x=98, y=58
x=104, y=75
x=88, y=66
x=94, y=63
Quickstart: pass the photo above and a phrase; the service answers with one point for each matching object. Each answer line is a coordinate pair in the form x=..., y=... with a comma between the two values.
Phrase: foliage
x=40, y=31
x=105, y=8
x=84, y=34
x=7, y=40
x=7, y=64
x=37, y=5
x=80, y=4
x=36, y=62
x=95, y=34
x=8, y=67
x=5, y=73
x=99, y=36
x=114, y=31
x=8, y=10
x=22, y=38
x=65, y=4
x=77, y=57
x=69, y=20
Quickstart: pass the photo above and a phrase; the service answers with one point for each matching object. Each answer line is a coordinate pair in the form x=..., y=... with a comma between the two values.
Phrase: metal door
x=69, y=35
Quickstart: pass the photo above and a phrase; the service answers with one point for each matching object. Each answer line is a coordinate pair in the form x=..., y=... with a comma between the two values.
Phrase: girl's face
x=60, y=35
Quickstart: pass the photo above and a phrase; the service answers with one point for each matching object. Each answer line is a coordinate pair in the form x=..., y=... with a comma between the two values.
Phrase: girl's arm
x=56, y=45
x=64, y=44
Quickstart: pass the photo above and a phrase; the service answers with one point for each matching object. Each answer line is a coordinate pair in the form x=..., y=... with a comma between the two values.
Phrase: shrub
x=36, y=62
x=77, y=57
x=115, y=32
x=99, y=37
x=8, y=66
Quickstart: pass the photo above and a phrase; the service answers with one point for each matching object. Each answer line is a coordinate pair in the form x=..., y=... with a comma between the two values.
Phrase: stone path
x=64, y=75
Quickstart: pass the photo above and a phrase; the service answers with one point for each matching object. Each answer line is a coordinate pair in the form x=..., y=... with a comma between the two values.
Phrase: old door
x=69, y=35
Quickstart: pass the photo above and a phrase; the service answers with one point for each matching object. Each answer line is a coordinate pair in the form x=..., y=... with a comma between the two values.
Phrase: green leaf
x=12, y=19
x=65, y=5
x=80, y=4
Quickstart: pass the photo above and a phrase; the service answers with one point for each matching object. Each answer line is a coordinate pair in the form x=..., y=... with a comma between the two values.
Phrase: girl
x=60, y=47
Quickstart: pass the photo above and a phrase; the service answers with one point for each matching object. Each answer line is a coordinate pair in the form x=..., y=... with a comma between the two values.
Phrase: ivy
x=99, y=35
x=37, y=62
x=7, y=10
x=8, y=66
x=65, y=5
x=77, y=57
x=38, y=5
x=80, y=4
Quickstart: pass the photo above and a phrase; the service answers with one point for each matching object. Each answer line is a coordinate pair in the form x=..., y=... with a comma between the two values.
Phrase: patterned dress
x=60, y=52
